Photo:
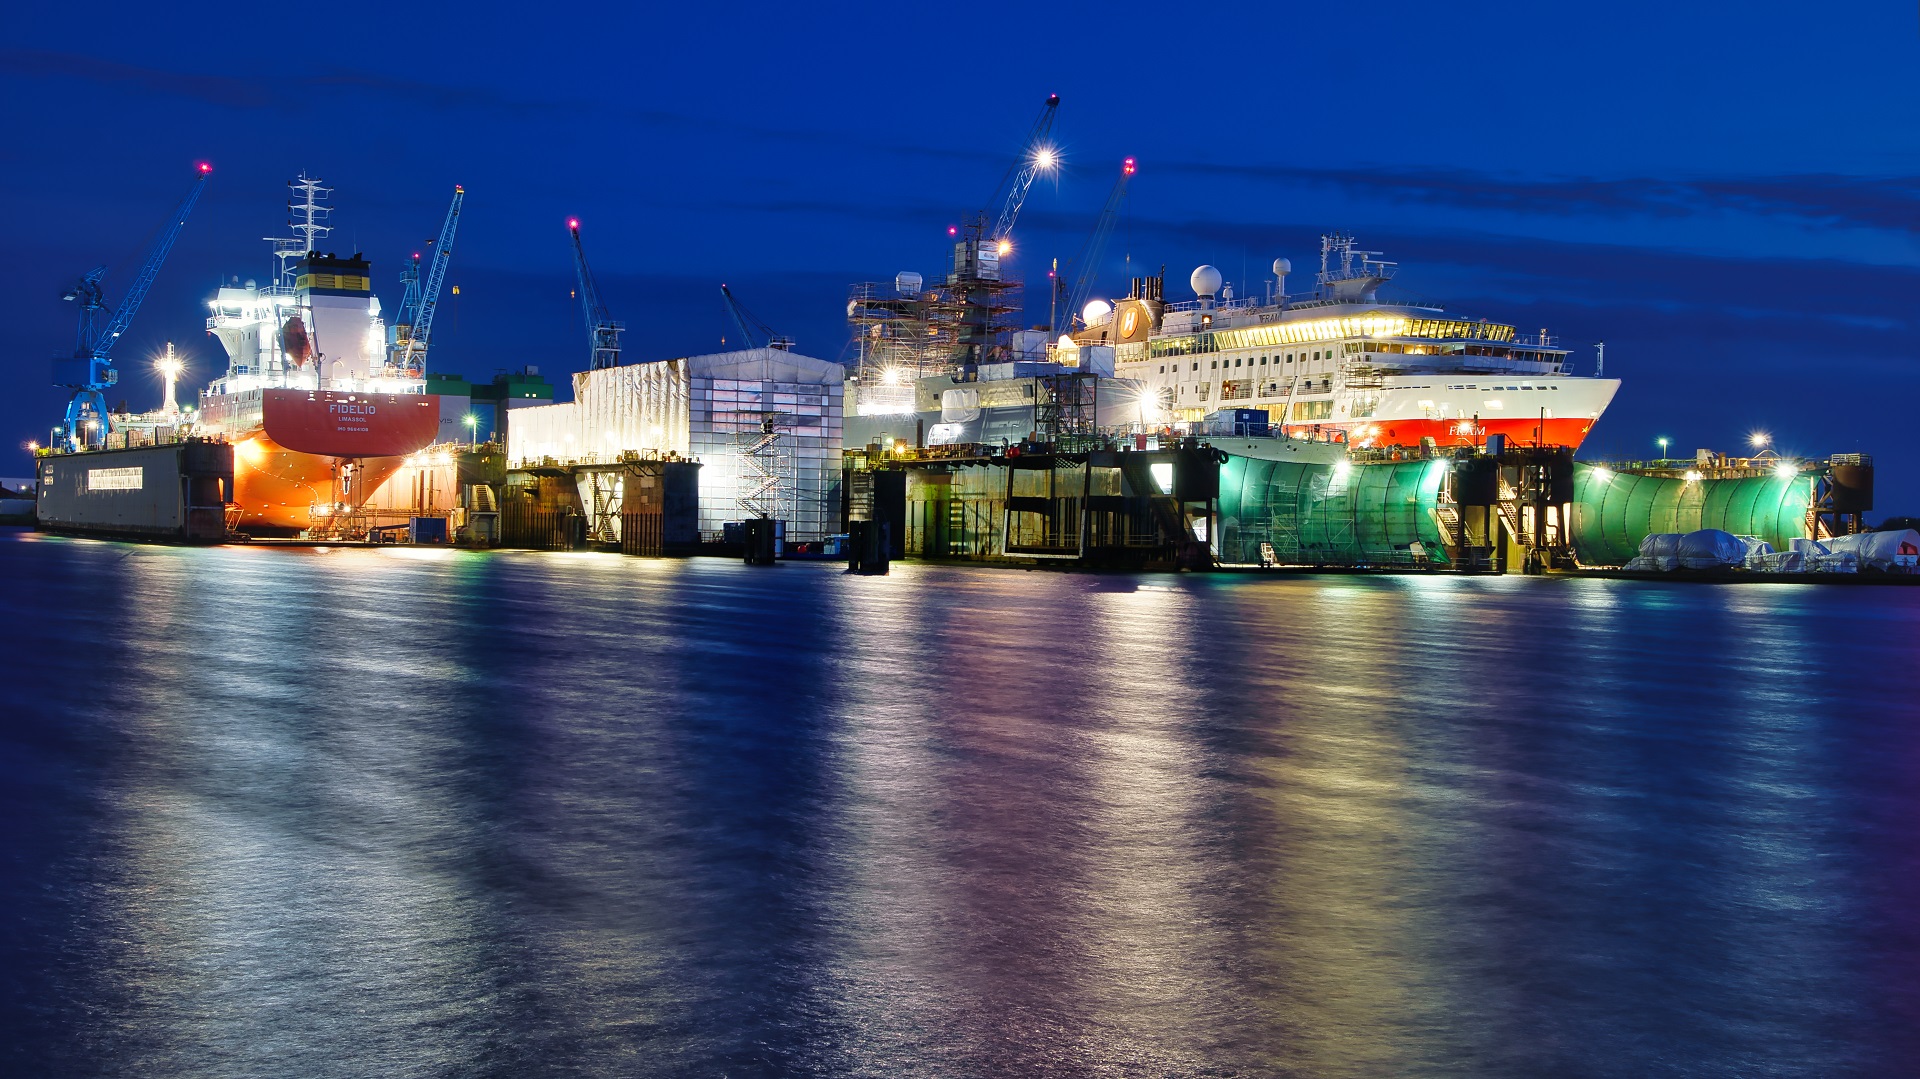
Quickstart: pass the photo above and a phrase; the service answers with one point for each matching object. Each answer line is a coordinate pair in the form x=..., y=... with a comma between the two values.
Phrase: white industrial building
x=764, y=423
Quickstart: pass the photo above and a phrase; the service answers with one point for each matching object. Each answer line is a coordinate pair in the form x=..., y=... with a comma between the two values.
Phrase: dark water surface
x=396, y=813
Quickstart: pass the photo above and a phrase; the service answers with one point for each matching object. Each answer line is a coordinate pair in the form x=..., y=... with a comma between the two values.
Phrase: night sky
x=1728, y=200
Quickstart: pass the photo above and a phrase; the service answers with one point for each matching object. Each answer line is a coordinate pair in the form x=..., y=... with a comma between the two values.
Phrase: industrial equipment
x=410, y=339
x=89, y=370
x=602, y=330
x=753, y=332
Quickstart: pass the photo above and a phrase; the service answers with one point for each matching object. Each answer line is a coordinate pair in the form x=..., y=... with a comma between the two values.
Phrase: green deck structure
x=1320, y=514
x=1614, y=511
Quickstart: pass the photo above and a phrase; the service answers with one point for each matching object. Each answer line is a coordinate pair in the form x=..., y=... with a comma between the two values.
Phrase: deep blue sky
x=1728, y=200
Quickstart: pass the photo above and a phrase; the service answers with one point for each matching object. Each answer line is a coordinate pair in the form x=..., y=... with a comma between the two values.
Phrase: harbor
x=1338, y=428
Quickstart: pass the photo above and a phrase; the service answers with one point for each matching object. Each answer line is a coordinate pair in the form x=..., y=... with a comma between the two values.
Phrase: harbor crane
x=1036, y=156
x=602, y=330
x=416, y=321
x=89, y=370
x=1087, y=262
x=753, y=332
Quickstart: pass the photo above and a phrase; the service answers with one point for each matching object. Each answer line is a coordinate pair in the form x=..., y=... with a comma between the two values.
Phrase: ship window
x=1289, y=357
x=1196, y=365
x=1263, y=361
x=1163, y=368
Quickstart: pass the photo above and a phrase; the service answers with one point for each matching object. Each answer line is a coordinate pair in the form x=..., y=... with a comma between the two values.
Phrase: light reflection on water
x=371, y=812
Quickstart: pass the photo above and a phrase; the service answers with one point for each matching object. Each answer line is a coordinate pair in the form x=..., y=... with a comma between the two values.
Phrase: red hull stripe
x=1520, y=431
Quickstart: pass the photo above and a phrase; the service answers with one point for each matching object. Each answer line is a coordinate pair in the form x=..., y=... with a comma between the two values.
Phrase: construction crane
x=89, y=371
x=753, y=332
x=602, y=330
x=1036, y=157
x=1088, y=260
x=401, y=329
x=413, y=354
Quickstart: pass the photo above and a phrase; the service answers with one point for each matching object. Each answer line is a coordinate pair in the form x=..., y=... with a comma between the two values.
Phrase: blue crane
x=413, y=355
x=753, y=332
x=602, y=330
x=89, y=370
x=1088, y=260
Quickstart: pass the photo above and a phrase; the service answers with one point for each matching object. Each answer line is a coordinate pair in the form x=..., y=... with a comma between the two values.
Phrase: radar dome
x=1205, y=281
x=1096, y=312
x=907, y=283
x=1281, y=267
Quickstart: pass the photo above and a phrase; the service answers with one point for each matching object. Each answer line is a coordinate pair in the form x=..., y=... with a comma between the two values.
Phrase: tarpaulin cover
x=1880, y=550
x=1614, y=511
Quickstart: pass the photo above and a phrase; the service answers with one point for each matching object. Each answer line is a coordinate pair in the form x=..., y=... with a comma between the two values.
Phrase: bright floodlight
x=1691, y=476
x=1786, y=470
x=1759, y=439
x=1046, y=159
x=1006, y=248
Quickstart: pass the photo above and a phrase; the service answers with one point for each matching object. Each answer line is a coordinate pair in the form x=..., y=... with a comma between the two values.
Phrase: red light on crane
x=573, y=222
x=1127, y=167
x=951, y=231
x=205, y=168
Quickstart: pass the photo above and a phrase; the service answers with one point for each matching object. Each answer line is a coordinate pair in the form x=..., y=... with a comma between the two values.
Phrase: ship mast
x=306, y=210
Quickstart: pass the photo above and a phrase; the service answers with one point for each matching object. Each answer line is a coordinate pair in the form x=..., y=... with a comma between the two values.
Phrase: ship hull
x=1568, y=431
x=304, y=458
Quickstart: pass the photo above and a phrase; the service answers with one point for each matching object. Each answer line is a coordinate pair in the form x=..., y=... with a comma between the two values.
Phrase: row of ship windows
x=1215, y=365
x=1471, y=386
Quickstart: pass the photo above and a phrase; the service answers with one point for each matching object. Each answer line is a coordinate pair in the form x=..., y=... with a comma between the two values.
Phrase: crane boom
x=753, y=332
x=89, y=370
x=602, y=331
x=1035, y=158
x=413, y=359
x=1096, y=243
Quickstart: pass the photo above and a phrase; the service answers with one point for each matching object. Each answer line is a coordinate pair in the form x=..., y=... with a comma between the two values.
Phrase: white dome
x=1205, y=281
x=1096, y=312
x=1281, y=267
x=907, y=283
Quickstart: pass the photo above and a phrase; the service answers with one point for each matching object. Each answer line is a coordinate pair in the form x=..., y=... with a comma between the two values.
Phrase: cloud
x=1887, y=202
x=212, y=89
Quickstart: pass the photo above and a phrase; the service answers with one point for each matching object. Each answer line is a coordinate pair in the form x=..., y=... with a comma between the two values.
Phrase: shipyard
x=1332, y=428
x=1065, y=541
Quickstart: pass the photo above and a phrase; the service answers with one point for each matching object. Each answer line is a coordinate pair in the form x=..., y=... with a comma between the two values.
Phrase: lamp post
x=473, y=426
x=1663, y=447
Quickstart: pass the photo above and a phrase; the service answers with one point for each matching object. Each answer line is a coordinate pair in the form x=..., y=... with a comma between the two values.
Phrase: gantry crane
x=89, y=370
x=753, y=332
x=418, y=322
x=602, y=330
x=1087, y=262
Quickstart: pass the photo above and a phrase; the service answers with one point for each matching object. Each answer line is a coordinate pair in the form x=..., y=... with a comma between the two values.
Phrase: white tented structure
x=764, y=423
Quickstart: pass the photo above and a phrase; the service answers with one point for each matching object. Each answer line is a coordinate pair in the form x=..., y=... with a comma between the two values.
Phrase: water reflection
x=368, y=812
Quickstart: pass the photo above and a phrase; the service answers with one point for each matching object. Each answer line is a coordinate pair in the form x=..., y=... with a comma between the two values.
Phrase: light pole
x=473, y=426
x=1663, y=447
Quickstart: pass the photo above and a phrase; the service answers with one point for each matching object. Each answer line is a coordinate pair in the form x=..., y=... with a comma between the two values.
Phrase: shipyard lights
x=1786, y=470
x=1759, y=440
x=1691, y=476
x=1005, y=248
x=1662, y=443
x=1046, y=159
x=1602, y=475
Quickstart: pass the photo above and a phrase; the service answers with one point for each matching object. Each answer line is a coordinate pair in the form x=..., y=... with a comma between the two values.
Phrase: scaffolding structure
x=766, y=485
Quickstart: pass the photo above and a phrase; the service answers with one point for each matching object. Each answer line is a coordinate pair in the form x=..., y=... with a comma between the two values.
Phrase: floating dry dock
x=1254, y=502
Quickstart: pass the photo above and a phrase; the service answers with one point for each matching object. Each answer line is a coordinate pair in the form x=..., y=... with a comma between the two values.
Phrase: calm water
x=354, y=813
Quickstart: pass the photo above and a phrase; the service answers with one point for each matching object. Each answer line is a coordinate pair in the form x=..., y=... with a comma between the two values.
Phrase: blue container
x=427, y=530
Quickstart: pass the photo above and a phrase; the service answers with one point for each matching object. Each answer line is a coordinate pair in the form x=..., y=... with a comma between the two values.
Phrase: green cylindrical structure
x=1329, y=514
x=1614, y=511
